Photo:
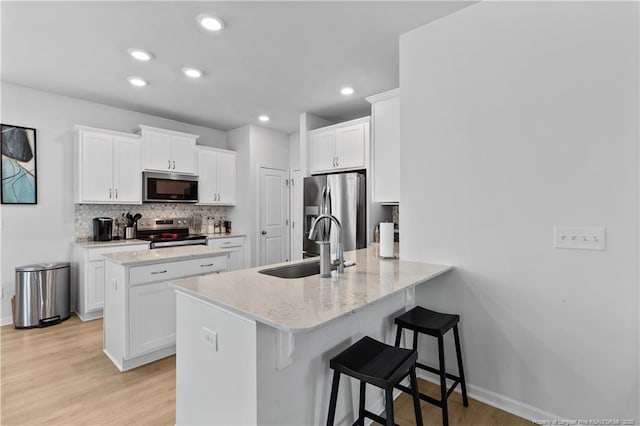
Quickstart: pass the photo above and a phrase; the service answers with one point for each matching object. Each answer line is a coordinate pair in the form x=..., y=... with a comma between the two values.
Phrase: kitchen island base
x=229, y=368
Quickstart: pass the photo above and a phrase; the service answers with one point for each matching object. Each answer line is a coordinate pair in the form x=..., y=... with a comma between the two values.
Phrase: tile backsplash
x=84, y=213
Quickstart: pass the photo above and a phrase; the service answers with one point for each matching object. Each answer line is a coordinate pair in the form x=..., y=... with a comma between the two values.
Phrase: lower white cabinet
x=236, y=248
x=152, y=310
x=88, y=282
x=140, y=307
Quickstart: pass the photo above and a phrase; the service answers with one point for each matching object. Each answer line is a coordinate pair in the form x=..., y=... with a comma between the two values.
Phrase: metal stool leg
x=334, y=398
x=463, y=383
x=363, y=390
x=389, y=406
x=415, y=340
x=443, y=383
x=416, y=397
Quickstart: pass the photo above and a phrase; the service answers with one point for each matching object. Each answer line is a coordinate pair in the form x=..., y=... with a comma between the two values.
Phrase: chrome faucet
x=325, y=246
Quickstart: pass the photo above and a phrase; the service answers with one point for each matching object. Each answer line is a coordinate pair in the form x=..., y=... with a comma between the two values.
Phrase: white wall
x=257, y=147
x=516, y=117
x=294, y=151
x=44, y=232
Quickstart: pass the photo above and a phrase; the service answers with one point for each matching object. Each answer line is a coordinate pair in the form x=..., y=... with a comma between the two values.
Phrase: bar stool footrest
x=436, y=371
x=375, y=417
x=427, y=398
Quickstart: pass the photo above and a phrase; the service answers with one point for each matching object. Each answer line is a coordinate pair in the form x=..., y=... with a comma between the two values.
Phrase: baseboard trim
x=6, y=321
x=497, y=400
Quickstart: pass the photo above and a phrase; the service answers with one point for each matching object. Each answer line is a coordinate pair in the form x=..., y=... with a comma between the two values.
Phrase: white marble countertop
x=305, y=304
x=162, y=255
x=232, y=235
x=112, y=243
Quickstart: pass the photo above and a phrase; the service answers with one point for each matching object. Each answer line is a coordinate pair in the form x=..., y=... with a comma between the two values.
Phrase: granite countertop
x=305, y=304
x=112, y=243
x=162, y=255
x=231, y=235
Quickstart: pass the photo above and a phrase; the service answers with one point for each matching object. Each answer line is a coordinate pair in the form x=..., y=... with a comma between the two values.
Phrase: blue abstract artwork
x=19, y=184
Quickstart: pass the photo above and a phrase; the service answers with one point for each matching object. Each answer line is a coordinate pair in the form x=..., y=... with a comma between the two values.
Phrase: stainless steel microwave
x=169, y=188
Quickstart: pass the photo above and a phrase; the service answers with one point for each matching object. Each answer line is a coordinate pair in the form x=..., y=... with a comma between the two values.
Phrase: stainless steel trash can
x=42, y=294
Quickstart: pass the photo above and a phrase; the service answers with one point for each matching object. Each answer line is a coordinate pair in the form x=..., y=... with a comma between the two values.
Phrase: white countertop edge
x=112, y=243
x=216, y=236
x=151, y=261
x=284, y=328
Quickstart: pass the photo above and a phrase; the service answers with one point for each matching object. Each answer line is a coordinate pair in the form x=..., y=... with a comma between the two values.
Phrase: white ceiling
x=275, y=58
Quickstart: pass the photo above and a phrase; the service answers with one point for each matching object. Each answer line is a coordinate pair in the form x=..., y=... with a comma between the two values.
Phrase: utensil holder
x=129, y=232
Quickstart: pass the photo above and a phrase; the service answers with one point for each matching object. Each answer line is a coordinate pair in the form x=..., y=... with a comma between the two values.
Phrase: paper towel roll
x=386, y=239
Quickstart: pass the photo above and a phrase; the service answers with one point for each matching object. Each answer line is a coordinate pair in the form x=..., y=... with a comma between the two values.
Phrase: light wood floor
x=59, y=376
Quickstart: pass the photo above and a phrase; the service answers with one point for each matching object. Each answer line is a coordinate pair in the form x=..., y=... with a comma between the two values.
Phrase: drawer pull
x=227, y=243
x=207, y=265
x=159, y=272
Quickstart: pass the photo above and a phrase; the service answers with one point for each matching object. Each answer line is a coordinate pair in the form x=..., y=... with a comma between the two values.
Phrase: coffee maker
x=102, y=228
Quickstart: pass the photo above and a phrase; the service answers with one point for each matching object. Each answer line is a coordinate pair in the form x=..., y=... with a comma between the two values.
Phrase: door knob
x=264, y=232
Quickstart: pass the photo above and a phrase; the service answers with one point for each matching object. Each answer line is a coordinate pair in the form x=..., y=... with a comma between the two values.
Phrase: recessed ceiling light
x=192, y=72
x=211, y=23
x=141, y=55
x=263, y=118
x=137, y=81
x=347, y=91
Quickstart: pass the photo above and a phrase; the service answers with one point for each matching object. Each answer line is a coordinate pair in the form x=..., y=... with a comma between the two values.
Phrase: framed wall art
x=19, y=182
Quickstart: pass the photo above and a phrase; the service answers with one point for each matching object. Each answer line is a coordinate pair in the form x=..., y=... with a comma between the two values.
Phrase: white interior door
x=273, y=216
x=296, y=224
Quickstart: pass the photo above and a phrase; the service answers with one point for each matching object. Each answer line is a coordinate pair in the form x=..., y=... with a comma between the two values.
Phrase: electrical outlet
x=580, y=237
x=210, y=339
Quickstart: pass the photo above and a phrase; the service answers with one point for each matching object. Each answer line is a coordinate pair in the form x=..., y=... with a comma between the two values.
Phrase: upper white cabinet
x=216, y=176
x=340, y=147
x=385, y=146
x=168, y=150
x=108, y=167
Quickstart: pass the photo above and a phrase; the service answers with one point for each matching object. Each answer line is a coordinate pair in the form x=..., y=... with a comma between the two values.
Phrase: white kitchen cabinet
x=323, y=151
x=235, y=245
x=107, y=167
x=216, y=176
x=385, y=146
x=89, y=276
x=140, y=307
x=340, y=147
x=168, y=150
x=152, y=311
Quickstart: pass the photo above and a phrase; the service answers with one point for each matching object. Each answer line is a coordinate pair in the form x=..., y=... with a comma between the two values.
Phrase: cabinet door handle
x=227, y=243
x=169, y=161
x=116, y=193
x=218, y=196
x=159, y=272
x=174, y=164
x=206, y=265
x=109, y=193
x=337, y=164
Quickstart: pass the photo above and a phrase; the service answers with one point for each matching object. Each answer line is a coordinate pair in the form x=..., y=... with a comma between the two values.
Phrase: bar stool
x=421, y=320
x=380, y=365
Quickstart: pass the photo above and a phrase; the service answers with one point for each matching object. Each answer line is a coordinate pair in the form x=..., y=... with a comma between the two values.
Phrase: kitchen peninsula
x=255, y=349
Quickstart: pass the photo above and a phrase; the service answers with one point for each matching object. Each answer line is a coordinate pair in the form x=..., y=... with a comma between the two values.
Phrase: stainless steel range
x=168, y=233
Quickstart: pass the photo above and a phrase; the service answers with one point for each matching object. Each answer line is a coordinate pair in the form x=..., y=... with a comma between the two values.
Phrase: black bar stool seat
x=380, y=365
x=436, y=324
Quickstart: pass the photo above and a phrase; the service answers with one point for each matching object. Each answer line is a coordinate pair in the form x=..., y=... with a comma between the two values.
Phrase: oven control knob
x=179, y=222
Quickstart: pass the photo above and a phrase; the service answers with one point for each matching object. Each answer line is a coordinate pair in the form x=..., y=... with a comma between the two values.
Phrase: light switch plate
x=580, y=237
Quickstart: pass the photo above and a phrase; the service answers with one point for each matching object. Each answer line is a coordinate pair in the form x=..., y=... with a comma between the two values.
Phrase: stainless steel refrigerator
x=344, y=196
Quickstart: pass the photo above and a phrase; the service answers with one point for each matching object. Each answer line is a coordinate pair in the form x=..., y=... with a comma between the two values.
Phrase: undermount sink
x=297, y=270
